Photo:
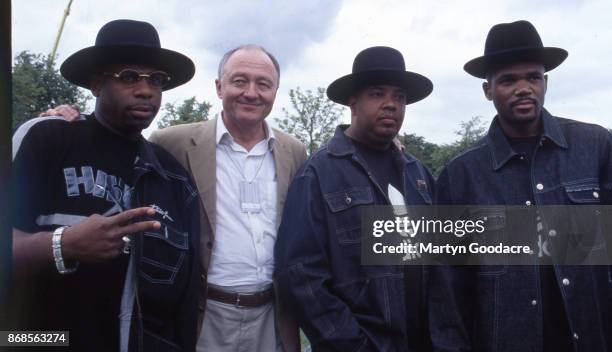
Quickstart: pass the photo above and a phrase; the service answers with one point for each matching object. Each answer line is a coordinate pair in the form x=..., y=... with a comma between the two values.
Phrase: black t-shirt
x=556, y=332
x=382, y=165
x=64, y=172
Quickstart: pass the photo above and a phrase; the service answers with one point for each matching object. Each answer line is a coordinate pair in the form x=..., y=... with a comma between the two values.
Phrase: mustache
x=522, y=100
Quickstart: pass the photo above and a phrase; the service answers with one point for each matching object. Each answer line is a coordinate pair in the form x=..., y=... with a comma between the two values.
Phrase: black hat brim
x=549, y=57
x=417, y=86
x=80, y=67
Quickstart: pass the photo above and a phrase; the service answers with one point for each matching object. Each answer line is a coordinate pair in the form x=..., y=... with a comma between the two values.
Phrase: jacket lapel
x=282, y=163
x=202, y=159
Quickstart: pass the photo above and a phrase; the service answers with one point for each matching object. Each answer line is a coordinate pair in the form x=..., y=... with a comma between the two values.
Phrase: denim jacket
x=159, y=308
x=165, y=262
x=340, y=304
x=498, y=308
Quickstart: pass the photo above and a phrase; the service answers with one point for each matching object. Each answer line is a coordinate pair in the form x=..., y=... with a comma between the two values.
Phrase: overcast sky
x=316, y=42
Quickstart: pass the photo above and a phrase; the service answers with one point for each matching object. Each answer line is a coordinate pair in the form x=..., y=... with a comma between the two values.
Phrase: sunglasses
x=157, y=79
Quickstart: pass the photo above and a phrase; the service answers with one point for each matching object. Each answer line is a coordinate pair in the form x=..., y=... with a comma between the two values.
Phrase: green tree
x=469, y=133
x=37, y=86
x=313, y=119
x=189, y=111
x=419, y=147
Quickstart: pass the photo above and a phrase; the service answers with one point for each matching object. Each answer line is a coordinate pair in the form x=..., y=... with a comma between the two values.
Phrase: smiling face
x=125, y=108
x=518, y=91
x=377, y=114
x=247, y=88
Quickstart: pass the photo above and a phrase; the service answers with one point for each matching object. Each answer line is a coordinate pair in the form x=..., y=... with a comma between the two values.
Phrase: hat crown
x=512, y=36
x=379, y=58
x=128, y=32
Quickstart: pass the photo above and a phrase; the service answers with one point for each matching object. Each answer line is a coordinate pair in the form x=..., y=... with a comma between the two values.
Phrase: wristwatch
x=56, y=245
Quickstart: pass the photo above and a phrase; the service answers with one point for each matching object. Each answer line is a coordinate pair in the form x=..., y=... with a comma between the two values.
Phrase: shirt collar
x=501, y=149
x=222, y=134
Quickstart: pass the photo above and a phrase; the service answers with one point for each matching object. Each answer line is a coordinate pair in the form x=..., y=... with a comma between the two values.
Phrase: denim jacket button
x=552, y=233
x=348, y=200
x=528, y=203
x=566, y=282
x=540, y=186
x=596, y=194
x=534, y=303
x=575, y=336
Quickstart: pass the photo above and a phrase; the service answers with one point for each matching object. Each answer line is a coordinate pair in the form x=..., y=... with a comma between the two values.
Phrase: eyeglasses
x=158, y=79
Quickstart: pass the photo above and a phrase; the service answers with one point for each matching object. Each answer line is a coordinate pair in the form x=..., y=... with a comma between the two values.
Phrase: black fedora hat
x=379, y=65
x=127, y=42
x=509, y=43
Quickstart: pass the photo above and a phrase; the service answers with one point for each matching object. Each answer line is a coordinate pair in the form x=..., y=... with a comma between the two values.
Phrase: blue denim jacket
x=167, y=265
x=498, y=308
x=340, y=304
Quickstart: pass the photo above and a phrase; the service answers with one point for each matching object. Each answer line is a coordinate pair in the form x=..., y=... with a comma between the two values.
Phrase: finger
x=128, y=215
x=141, y=226
x=71, y=116
x=49, y=112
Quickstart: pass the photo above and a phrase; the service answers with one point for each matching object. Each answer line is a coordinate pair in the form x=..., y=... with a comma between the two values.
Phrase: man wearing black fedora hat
x=340, y=304
x=106, y=223
x=532, y=159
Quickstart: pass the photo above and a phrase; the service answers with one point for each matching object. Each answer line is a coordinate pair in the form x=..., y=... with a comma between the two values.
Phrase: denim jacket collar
x=500, y=147
x=146, y=160
x=340, y=145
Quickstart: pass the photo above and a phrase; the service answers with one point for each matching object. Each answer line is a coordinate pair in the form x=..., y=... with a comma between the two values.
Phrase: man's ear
x=486, y=88
x=545, y=83
x=218, y=88
x=351, y=104
x=96, y=85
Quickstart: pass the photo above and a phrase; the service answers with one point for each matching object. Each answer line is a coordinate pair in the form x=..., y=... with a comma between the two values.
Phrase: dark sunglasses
x=157, y=79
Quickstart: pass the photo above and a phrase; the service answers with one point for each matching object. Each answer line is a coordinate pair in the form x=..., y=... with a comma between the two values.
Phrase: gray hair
x=229, y=54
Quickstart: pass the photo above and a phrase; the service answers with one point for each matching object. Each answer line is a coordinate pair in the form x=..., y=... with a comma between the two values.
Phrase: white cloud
x=316, y=42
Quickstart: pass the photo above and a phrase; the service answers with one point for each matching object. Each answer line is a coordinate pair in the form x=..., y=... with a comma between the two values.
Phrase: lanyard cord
x=225, y=148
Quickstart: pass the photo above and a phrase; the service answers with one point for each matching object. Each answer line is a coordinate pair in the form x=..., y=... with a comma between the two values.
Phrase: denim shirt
x=340, y=304
x=499, y=308
x=166, y=261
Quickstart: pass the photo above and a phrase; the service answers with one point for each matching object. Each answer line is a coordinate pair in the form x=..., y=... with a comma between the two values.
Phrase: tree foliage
x=434, y=156
x=189, y=111
x=37, y=86
x=313, y=118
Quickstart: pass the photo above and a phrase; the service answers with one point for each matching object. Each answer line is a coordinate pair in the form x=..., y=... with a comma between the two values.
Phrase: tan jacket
x=194, y=146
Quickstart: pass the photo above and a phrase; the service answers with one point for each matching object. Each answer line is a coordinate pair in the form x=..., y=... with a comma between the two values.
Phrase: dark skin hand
x=94, y=240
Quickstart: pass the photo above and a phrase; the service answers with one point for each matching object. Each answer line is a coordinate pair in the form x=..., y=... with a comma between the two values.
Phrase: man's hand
x=398, y=144
x=68, y=112
x=99, y=238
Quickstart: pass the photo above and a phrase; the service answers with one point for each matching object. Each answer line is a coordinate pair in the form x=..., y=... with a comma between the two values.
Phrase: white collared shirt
x=243, y=251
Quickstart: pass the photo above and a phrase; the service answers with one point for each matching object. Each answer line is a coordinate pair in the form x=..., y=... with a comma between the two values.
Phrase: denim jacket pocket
x=583, y=194
x=345, y=214
x=494, y=218
x=163, y=254
x=585, y=228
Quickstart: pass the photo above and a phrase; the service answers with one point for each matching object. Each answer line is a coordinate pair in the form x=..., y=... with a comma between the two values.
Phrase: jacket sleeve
x=303, y=272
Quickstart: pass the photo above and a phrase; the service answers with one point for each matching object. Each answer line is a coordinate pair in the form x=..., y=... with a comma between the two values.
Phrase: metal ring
x=126, y=244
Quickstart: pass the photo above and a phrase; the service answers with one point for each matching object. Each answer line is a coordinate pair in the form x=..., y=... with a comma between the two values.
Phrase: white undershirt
x=243, y=251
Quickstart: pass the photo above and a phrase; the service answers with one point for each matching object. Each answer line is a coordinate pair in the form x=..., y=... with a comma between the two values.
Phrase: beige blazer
x=194, y=146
